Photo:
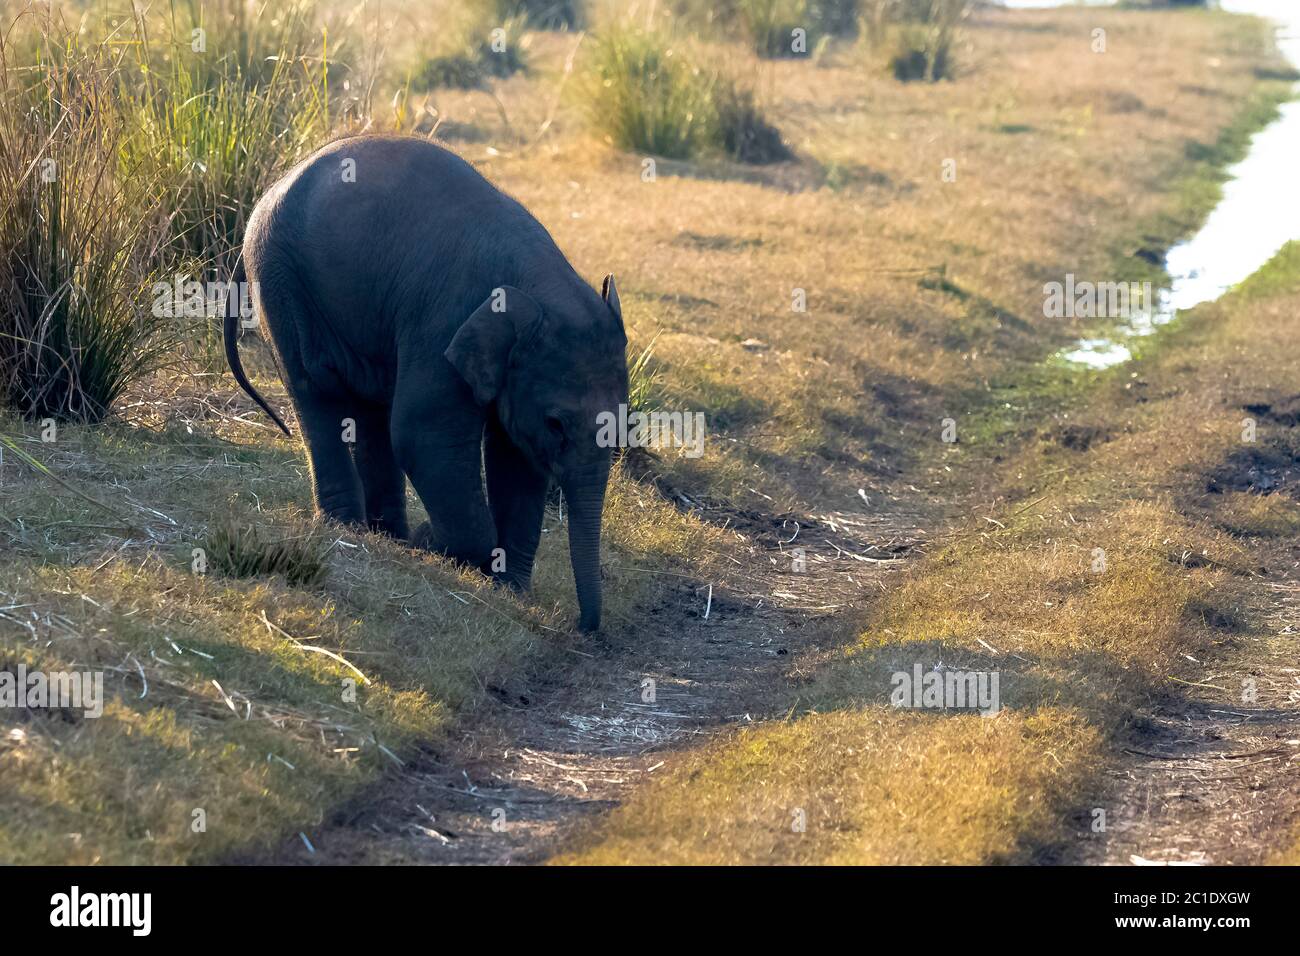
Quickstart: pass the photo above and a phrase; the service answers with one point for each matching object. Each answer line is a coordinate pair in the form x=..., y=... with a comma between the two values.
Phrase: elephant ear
x=609, y=292
x=480, y=349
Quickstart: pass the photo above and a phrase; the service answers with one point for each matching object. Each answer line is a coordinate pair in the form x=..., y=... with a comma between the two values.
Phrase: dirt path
x=1210, y=780
x=1216, y=787
x=1203, y=777
x=517, y=777
x=1206, y=780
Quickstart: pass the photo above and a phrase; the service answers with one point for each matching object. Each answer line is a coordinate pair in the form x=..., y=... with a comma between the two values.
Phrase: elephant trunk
x=585, y=494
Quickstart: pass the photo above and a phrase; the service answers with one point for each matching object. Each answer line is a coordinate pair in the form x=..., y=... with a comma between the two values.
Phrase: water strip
x=1258, y=214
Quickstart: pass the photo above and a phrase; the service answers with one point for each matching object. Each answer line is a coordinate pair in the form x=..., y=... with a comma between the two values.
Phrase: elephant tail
x=231, y=335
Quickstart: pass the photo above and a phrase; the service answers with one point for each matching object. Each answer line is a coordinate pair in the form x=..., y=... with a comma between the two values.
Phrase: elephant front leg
x=447, y=475
x=517, y=497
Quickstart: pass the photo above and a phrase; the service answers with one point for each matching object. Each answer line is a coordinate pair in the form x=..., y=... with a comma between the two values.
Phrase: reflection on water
x=1258, y=214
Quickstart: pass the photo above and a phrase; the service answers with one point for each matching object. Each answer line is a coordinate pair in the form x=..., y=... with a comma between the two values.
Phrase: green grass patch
x=241, y=551
x=78, y=244
x=482, y=45
x=645, y=92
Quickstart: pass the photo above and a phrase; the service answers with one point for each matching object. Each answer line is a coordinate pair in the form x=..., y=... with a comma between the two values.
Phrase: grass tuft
x=541, y=14
x=79, y=235
x=916, y=37
x=746, y=134
x=240, y=551
x=648, y=94
x=216, y=126
x=481, y=47
x=777, y=28
x=644, y=380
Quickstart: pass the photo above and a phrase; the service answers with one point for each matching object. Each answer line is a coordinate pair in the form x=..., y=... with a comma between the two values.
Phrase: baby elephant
x=427, y=326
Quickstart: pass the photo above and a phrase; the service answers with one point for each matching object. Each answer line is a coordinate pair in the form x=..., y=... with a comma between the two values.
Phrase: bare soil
x=523, y=773
x=1204, y=780
x=1201, y=779
x=1208, y=779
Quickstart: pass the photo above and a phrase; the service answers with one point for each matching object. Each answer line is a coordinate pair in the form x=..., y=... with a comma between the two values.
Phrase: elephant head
x=549, y=369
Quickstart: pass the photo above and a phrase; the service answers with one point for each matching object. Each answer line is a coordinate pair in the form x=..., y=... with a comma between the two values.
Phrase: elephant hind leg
x=322, y=405
x=382, y=480
x=324, y=417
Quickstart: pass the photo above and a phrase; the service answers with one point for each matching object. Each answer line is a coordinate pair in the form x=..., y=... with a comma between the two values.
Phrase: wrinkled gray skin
x=439, y=315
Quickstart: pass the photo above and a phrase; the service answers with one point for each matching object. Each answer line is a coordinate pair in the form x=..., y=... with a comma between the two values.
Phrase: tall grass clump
x=777, y=28
x=916, y=37
x=774, y=29
x=219, y=115
x=836, y=17
x=541, y=14
x=221, y=99
x=81, y=234
x=485, y=42
x=646, y=94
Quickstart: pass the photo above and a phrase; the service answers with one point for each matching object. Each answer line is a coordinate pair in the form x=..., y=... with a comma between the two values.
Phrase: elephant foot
x=422, y=537
x=391, y=528
x=511, y=582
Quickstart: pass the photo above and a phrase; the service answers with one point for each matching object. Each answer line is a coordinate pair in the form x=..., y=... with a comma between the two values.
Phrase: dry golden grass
x=920, y=293
x=1080, y=644
x=217, y=701
x=860, y=786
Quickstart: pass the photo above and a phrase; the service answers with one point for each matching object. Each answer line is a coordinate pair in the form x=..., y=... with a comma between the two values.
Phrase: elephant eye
x=555, y=427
